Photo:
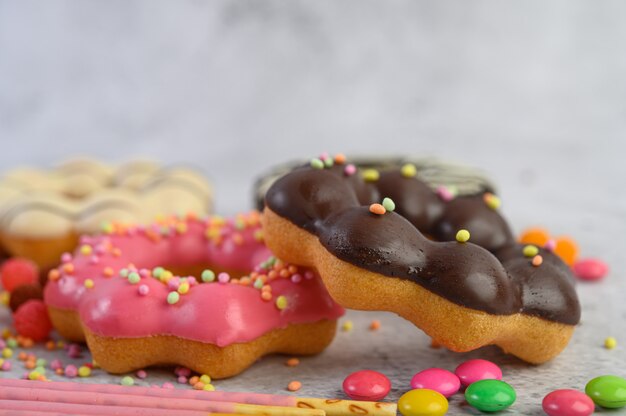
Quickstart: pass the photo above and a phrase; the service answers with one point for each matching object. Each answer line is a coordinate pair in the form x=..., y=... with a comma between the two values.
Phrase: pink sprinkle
x=349, y=170
x=309, y=275
x=182, y=371
x=296, y=278
x=74, y=351
x=192, y=281
x=141, y=374
x=56, y=364
x=324, y=156
x=223, y=277
x=550, y=245
x=66, y=257
x=6, y=365
x=94, y=260
x=173, y=283
x=100, y=249
x=168, y=385
x=2, y=343
x=144, y=272
x=182, y=380
x=444, y=193
x=25, y=375
x=71, y=371
x=143, y=290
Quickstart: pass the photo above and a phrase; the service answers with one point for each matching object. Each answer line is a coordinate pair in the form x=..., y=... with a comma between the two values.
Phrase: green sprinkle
x=317, y=164
x=124, y=273
x=127, y=381
x=33, y=375
x=409, y=170
x=370, y=175
x=329, y=162
x=12, y=343
x=281, y=302
x=157, y=272
x=41, y=362
x=258, y=284
x=106, y=227
x=389, y=204
x=462, y=236
x=530, y=250
x=40, y=370
x=272, y=260
x=208, y=276
x=134, y=278
x=173, y=297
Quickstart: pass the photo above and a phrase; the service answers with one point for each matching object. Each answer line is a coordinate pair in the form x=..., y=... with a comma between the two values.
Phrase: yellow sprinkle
x=492, y=201
x=33, y=375
x=530, y=250
x=89, y=283
x=462, y=236
x=610, y=343
x=183, y=288
x=84, y=371
x=7, y=352
x=347, y=326
x=409, y=170
x=370, y=175
x=208, y=387
x=181, y=228
x=205, y=378
x=281, y=302
x=166, y=276
x=5, y=298
x=85, y=250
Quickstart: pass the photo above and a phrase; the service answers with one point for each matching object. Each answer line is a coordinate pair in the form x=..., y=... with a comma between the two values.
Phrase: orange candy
x=537, y=236
x=566, y=248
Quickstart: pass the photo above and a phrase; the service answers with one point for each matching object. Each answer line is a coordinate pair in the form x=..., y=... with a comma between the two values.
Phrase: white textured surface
x=532, y=91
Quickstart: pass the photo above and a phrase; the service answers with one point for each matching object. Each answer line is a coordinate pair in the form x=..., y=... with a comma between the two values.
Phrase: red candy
x=17, y=272
x=567, y=403
x=366, y=385
x=31, y=320
x=590, y=269
x=476, y=370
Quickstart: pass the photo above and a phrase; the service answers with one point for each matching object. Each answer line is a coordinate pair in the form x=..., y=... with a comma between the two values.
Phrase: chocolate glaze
x=490, y=273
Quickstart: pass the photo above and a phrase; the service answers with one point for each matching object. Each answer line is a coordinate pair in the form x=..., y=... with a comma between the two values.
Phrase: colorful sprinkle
x=409, y=170
x=328, y=162
x=537, y=260
x=208, y=276
x=294, y=385
x=610, y=343
x=375, y=325
x=530, y=250
x=349, y=170
x=208, y=387
x=84, y=371
x=370, y=175
x=141, y=374
x=340, y=158
x=223, y=277
x=377, y=209
x=183, y=288
x=134, y=278
x=281, y=302
x=347, y=326
x=143, y=290
x=173, y=297
x=292, y=362
x=89, y=283
x=317, y=164
x=492, y=200
x=127, y=381
x=388, y=204
x=86, y=250
x=445, y=193
x=462, y=236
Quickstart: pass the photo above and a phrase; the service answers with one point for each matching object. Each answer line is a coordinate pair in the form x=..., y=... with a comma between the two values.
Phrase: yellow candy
x=610, y=343
x=462, y=236
x=409, y=170
x=370, y=175
x=422, y=402
x=530, y=250
x=84, y=371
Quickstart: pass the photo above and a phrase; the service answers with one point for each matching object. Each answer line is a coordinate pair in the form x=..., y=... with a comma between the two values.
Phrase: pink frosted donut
x=203, y=293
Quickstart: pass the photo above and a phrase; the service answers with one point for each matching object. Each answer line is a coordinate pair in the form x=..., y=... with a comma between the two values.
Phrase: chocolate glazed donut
x=464, y=295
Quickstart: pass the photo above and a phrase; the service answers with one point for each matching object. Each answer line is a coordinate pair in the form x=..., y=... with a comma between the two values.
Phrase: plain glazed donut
x=463, y=294
x=130, y=293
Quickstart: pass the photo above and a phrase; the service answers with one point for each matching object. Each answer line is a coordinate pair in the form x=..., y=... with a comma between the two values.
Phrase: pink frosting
x=217, y=313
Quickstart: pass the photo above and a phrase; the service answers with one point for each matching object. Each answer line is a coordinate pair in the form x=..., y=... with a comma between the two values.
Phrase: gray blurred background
x=534, y=91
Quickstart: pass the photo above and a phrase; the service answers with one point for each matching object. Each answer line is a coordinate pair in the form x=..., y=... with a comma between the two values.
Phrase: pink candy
x=475, y=370
x=567, y=403
x=438, y=379
x=366, y=385
x=590, y=269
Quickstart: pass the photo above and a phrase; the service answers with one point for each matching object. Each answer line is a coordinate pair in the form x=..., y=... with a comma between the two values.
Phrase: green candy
x=607, y=391
x=490, y=395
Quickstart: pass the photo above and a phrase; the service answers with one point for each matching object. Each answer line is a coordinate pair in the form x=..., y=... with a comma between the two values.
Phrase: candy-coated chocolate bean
x=422, y=402
x=474, y=370
x=607, y=391
x=567, y=403
x=366, y=385
x=490, y=395
x=590, y=269
x=438, y=379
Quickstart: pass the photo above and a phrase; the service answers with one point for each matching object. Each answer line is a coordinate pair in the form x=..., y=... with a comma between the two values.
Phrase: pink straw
x=33, y=408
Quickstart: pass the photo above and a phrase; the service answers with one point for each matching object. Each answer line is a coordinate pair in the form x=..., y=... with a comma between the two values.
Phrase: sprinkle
x=157, y=272
x=294, y=386
x=66, y=257
x=550, y=245
x=491, y=200
x=370, y=175
x=317, y=164
x=530, y=250
x=208, y=387
x=377, y=209
x=6, y=365
x=347, y=326
x=205, y=378
x=328, y=162
x=258, y=284
x=194, y=380
x=308, y=275
x=134, y=278
x=173, y=297
x=70, y=371
x=223, y=277
x=89, y=283
x=183, y=288
x=107, y=227
x=167, y=385
x=107, y=272
x=84, y=371
x=296, y=278
x=85, y=250
x=537, y=260
x=281, y=302
x=68, y=268
x=445, y=193
x=54, y=275
x=462, y=236
x=375, y=325
x=198, y=385
x=33, y=375
x=124, y=273
x=266, y=295
x=409, y=170
x=182, y=380
x=389, y=205
x=323, y=156
x=340, y=158
x=7, y=352
x=292, y=362
x=127, y=381
x=143, y=290
x=349, y=170
x=208, y=276
x=610, y=343
x=166, y=276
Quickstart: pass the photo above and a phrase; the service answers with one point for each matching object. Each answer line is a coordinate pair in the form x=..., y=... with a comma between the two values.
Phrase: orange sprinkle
x=116, y=252
x=375, y=325
x=68, y=268
x=284, y=273
x=244, y=281
x=27, y=343
x=59, y=371
x=273, y=274
x=108, y=272
x=292, y=362
x=262, y=277
x=22, y=356
x=536, y=235
x=193, y=380
x=198, y=386
x=266, y=288
x=54, y=275
x=293, y=269
x=377, y=209
x=340, y=158
x=267, y=296
x=537, y=260
x=294, y=386
x=238, y=239
x=50, y=345
x=279, y=264
x=30, y=364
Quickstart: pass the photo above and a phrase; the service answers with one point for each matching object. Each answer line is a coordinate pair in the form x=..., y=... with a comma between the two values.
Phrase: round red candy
x=567, y=403
x=31, y=320
x=16, y=272
x=367, y=385
x=590, y=269
x=437, y=379
x=475, y=370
